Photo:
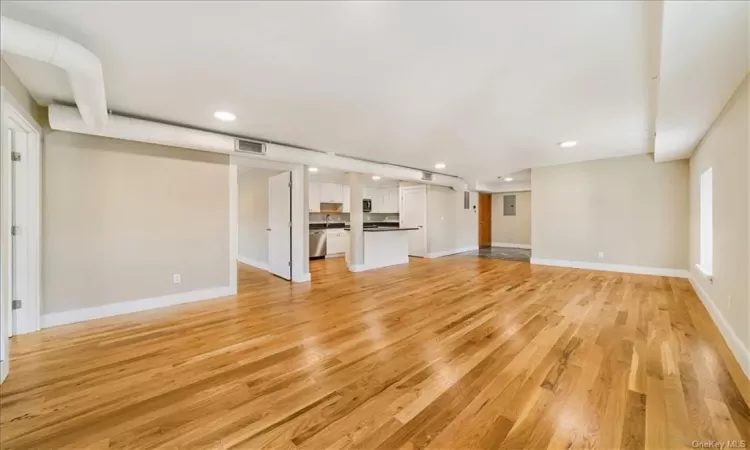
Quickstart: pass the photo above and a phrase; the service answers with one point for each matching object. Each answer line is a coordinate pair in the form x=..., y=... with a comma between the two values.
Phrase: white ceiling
x=704, y=59
x=326, y=175
x=488, y=88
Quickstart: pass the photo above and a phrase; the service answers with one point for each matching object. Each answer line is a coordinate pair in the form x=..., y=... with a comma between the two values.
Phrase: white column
x=356, y=220
x=300, y=225
x=233, y=224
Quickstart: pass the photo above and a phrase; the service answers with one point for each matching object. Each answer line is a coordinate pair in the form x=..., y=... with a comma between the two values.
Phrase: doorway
x=485, y=220
x=19, y=224
x=280, y=225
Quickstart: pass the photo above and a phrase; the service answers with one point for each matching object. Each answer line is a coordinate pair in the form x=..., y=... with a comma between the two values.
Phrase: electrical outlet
x=601, y=255
x=177, y=278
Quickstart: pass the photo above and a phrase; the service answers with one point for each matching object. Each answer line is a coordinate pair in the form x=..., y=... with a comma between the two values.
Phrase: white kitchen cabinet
x=346, y=198
x=392, y=201
x=368, y=192
x=314, y=197
x=337, y=241
x=385, y=200
x=331, y=193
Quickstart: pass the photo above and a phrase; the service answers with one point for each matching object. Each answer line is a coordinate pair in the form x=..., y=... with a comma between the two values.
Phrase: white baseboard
x=659, y=271
x=451, y=252
x=253, y=262
x=303, y=279
x=509, y=245
x=733, y=341
x=364, y=267
x=4, y=369
x=144, y=304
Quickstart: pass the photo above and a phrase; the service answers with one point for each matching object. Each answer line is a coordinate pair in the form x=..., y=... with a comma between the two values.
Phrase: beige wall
x=119, y=218
x=512, y=229
x=725, y=149
x=10, y=81
x=633, y=210
x=253, y=214
x=449, y=226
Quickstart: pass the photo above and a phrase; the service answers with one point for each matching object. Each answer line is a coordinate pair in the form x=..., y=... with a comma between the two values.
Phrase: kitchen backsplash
x=344, y=217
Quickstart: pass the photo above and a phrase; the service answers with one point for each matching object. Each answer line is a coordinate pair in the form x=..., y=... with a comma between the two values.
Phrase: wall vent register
x=246, y=146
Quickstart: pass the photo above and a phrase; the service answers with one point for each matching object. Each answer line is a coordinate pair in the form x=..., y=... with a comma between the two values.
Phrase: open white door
x=280, y=225
x=414, y=215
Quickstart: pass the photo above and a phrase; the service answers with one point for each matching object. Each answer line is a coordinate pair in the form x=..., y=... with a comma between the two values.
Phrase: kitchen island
x=383, y=247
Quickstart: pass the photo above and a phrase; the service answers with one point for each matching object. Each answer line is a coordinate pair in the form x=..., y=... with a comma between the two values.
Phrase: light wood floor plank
x=456, y=352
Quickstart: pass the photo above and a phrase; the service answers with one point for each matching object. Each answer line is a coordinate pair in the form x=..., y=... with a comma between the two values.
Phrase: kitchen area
x=330, y=217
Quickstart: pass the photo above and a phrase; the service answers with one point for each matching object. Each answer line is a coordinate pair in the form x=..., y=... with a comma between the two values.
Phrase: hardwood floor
x=457, y=352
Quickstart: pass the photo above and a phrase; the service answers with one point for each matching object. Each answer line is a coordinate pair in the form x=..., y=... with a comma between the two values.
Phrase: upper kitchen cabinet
x=369, y=193
x=384, y=200
x=391, y=200
x=331, y=193
x=314, y=197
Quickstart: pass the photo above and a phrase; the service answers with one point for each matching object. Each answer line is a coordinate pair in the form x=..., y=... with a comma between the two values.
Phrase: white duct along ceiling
x=66, y=118
x=83, y=68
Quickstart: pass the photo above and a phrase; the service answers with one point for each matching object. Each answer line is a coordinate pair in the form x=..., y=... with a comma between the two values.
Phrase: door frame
x=480, y=208
x=402, y=191
x=29, y=317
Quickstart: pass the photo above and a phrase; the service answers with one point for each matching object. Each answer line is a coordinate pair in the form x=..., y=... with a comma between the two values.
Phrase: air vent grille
x=245, y=146
x=426, y=176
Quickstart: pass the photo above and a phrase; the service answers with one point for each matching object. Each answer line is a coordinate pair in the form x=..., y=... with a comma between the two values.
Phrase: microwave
x=366, y=205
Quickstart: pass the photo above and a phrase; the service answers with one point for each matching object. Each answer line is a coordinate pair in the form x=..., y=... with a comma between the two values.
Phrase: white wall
x=450, y=228
x=253, y=215
x=119, y=218
x=512, y=229
x=725, y=149
x=633, y=210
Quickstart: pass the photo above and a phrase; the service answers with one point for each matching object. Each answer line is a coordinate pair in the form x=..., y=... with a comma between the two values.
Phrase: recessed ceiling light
x=376, y=177
x=440, y=166
x=509, y=179
x=226, y=116
x=567, y=144
x=312, y=169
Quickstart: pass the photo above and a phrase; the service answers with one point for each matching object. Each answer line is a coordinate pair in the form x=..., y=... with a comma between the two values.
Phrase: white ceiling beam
x=65, y=118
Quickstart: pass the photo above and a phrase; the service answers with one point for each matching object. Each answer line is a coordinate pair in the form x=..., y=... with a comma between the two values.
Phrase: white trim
x=4, y=370
x=509, y=245
x=641, y=270
x=233, y=224
x=131, y=306
x=28, y=319
x=300, y=231
x=733, y=341
x=304, y=278
x=253, y=262
x=451, y=252
x=365, y=267
x=707, y=275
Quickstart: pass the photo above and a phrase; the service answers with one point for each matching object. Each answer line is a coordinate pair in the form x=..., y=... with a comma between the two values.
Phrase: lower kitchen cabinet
x=337, y=241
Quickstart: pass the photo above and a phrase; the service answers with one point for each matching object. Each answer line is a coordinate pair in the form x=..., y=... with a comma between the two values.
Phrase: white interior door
x=414, y=215
x=279, y=225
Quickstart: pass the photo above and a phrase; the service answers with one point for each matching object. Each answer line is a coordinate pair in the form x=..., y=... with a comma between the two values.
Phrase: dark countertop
x=345, y=225
x=379, y=229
